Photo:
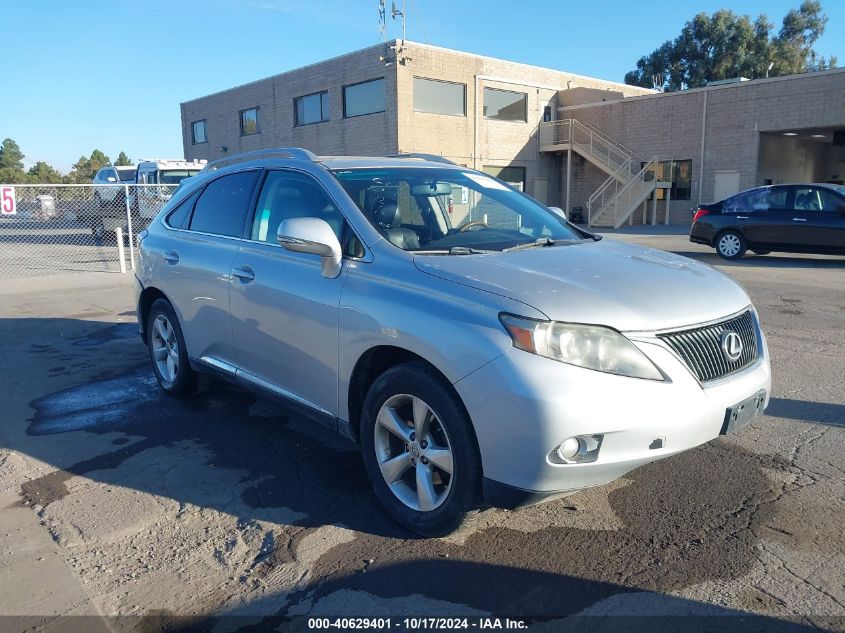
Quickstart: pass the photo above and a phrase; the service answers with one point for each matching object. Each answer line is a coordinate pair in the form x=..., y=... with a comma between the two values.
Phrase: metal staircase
x=631, y=178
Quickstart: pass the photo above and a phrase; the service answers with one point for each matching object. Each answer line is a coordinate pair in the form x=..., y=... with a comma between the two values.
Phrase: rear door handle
x=244, y=274
x=171, y=257
x=742, y=217
x=799, y=219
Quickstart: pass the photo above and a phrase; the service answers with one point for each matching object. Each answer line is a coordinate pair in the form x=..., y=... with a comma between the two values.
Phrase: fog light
x=581, y=449
x=569, y=449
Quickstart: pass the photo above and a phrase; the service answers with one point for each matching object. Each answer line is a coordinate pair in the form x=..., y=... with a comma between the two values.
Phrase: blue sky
x=110, y=75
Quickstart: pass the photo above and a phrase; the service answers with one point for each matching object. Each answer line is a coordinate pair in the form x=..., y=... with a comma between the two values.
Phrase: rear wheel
x=168, y=352
x=419, y=450
x=731, y=245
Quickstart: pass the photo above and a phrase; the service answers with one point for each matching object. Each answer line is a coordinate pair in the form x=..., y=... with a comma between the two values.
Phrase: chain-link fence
x=45, y=229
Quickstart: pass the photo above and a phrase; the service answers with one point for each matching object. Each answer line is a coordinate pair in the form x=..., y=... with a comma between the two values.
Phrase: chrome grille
x=701, y=348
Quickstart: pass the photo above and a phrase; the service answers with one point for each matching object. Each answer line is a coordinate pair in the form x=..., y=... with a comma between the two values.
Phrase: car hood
x=611, y=283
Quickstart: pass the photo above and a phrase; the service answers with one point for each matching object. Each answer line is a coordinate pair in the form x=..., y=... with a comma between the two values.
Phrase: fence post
x=129, y=226
x=120, y=252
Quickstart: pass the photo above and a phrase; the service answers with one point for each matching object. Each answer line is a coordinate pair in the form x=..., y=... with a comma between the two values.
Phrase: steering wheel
x=467, y=226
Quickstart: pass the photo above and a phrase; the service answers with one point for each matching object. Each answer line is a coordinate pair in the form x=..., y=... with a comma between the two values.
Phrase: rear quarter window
x=180, y=217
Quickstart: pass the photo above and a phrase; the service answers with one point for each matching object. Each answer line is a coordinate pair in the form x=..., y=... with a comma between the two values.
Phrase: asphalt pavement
x=118, y=501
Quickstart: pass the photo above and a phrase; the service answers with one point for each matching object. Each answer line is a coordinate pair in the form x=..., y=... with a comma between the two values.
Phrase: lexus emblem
x=731, y=345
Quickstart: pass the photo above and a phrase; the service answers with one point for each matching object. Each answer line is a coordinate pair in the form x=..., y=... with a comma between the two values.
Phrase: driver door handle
x=245, y=273
x=799, y=219
x=742, y=217
x=171, y=257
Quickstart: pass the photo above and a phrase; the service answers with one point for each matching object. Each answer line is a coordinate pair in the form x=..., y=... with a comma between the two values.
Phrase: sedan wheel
x=731, y=245
x=414, y=453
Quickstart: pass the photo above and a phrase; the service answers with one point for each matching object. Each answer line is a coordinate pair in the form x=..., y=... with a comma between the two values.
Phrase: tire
x=168, y=352
x=442, y=501
x=731, y=244
x=762, y=252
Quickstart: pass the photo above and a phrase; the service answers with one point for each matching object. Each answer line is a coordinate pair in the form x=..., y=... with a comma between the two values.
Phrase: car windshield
x=431, y=209
x=175, y=176
x=126, y=175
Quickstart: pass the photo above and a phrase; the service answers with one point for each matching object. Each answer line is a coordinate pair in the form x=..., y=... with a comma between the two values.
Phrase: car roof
x=363, y=162
x=823, y=185
x=286, y=157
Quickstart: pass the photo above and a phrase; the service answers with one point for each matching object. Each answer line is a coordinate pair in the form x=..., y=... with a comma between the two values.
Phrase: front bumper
x=523, y=406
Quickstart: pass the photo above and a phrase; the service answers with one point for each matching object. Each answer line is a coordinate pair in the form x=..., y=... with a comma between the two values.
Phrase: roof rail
x=283, y=152
x=434, y=158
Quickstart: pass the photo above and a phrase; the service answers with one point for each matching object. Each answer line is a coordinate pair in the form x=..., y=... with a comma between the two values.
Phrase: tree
x=123, y=160
x=725, y=45
x=11, y=156
x=84, y=169
x=99, y=159
x=41, y=172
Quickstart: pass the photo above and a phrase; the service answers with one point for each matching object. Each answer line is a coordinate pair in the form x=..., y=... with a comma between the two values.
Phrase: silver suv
x=472, y=341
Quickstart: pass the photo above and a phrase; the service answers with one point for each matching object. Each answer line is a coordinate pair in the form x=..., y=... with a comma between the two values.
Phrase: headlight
x=589, y=346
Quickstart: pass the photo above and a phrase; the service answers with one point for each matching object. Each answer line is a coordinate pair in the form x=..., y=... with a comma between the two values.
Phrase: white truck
x=149, y=186
x=157, y=179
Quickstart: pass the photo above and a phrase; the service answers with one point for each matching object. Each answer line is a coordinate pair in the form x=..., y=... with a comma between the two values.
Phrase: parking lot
x=120, y=501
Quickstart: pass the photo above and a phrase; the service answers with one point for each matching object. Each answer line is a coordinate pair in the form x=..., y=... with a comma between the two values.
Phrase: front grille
x=701, y=347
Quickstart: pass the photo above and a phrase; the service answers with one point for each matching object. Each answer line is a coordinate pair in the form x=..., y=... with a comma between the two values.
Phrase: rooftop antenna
x=382, y=21
x=394, y=12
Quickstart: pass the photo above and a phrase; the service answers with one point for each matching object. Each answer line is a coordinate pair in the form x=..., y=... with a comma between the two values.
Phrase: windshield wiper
x=455, y=250
x=465, y=250
x=538, y=243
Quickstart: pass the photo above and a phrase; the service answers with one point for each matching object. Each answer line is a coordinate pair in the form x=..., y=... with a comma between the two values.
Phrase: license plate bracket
x=743, y=412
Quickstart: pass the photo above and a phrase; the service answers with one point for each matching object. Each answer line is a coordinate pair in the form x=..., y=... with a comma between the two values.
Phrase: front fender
x=453, y=327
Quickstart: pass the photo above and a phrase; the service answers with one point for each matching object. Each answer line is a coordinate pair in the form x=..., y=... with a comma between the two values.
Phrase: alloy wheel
x=413, y=452
x=165, y=348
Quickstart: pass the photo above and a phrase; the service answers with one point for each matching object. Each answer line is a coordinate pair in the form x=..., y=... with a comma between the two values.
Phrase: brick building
x=566, y=139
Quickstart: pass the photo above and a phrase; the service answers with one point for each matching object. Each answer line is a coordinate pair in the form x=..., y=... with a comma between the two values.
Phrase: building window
x=504, y=105
x=313, y=108
x=514, y=176
x=249, y=122
x=439, y=97
x=364, y=98
x=198, y=132
x=681, y=178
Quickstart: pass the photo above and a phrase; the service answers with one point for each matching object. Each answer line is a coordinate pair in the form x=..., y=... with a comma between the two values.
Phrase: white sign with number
x=7, y=201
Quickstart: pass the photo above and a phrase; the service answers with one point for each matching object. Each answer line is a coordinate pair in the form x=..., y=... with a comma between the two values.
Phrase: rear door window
x=767, y=199
x=223, y=206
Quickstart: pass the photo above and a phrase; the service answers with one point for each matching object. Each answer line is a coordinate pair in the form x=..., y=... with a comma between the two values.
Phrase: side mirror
x=558, y=211
x=315, y=237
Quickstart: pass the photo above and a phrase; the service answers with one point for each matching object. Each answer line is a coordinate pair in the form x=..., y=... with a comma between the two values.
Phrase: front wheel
x=420, y=450
x=168, y=352
x=731, y=245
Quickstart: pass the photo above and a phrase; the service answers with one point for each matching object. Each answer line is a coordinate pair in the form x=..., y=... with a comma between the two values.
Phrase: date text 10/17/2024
x=417, y=623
